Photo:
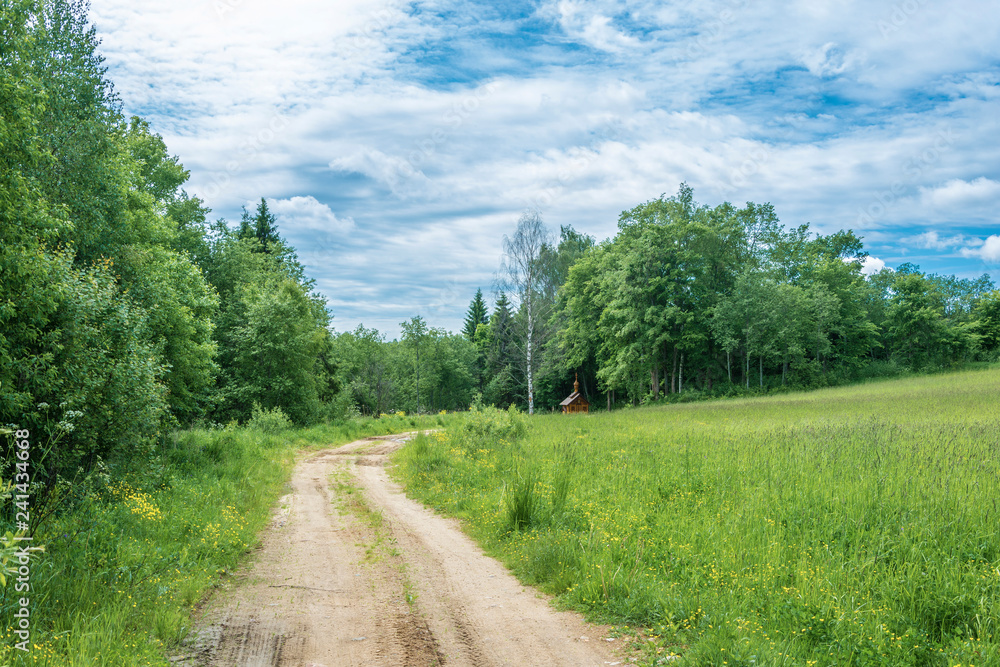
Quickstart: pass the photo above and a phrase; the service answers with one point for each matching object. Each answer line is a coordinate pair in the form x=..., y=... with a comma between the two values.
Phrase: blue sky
x=398, y=141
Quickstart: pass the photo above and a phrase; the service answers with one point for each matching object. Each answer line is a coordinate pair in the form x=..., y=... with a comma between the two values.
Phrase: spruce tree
x=501, y=359
x=262, y=226
x=246, y=230
x=477, y=315
x=266, y=226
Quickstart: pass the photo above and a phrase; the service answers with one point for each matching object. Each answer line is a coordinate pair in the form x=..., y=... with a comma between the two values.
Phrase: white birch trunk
x=680, y=376
x=531, y=380
x=748, y=363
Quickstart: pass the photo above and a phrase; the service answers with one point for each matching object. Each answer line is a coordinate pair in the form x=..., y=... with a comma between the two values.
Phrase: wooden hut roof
x=572, y=398
x=576, y=396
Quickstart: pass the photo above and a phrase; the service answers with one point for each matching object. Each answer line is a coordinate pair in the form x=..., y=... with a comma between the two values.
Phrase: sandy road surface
x=352, y=572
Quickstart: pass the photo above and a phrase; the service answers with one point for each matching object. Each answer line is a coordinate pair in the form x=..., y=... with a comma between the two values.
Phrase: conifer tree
x=477, y=315
x=246, y=229
x=266, y=226
x=262, y=226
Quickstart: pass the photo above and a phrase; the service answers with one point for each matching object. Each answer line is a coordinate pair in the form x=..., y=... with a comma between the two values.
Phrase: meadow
x=134, y=551
x=848, y=526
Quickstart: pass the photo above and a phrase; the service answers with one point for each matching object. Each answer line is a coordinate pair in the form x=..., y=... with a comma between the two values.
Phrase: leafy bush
x=88, y=377
x=484, y=428
x=268, y=421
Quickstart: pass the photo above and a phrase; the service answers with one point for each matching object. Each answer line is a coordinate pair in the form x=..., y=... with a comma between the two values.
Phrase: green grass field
x=849, y=526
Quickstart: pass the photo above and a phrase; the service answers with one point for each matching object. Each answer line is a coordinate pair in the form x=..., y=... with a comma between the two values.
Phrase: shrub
x=485, y=428
x=268, y=421
x=87, y=379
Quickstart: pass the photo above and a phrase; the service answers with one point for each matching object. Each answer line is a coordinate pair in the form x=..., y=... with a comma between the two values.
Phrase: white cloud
x=302, y=213
x=958, y=192
x=989, y=251
x=931, y=240
x=225, y=56
x=871, y=265
x=392, y=171
x=830, y=60
x=592, y=28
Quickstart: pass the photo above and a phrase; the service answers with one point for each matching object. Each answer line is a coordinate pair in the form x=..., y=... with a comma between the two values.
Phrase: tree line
x=688, y=300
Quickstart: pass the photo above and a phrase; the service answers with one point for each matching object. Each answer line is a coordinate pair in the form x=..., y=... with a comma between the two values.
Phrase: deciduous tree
x=523, y=275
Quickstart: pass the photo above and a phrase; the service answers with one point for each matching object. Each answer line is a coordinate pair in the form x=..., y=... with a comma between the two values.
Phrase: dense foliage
x=688, y=300
x=429, y=368
x=123, y=313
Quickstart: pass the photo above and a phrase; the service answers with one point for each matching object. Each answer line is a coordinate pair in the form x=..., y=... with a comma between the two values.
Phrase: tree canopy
x=688, y=299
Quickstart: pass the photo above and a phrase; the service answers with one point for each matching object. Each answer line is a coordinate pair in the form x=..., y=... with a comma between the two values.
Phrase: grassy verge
x=847, y=526
x=126, y=566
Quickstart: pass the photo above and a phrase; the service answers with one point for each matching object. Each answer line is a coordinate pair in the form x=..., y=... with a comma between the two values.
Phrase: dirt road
x=352, y=572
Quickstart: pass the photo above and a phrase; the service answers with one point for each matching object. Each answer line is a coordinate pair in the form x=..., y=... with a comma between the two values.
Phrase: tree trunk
x=747, y=373
x=680, y=376
x=761, y=371
x=673, y=372
x=729, y=365
x=819, y=356
x=784, y=367
x=531, y=380
x=654, y=381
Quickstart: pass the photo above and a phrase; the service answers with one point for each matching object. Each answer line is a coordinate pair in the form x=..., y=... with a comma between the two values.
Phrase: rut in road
x=352, y=572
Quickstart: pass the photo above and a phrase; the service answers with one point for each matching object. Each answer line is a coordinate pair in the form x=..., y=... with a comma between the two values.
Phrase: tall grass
x=127, y=565
x=850, y=526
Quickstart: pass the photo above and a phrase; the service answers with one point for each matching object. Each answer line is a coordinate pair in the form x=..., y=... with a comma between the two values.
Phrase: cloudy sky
x=399, y=141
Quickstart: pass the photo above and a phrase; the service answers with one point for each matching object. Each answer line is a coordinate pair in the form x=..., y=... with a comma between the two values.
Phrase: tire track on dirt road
x=354, y=573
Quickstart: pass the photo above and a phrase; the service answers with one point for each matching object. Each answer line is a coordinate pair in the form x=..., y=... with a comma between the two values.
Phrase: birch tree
x=523, y=276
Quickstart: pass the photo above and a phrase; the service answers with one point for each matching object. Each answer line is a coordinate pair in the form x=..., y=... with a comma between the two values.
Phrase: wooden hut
x=575, y=402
